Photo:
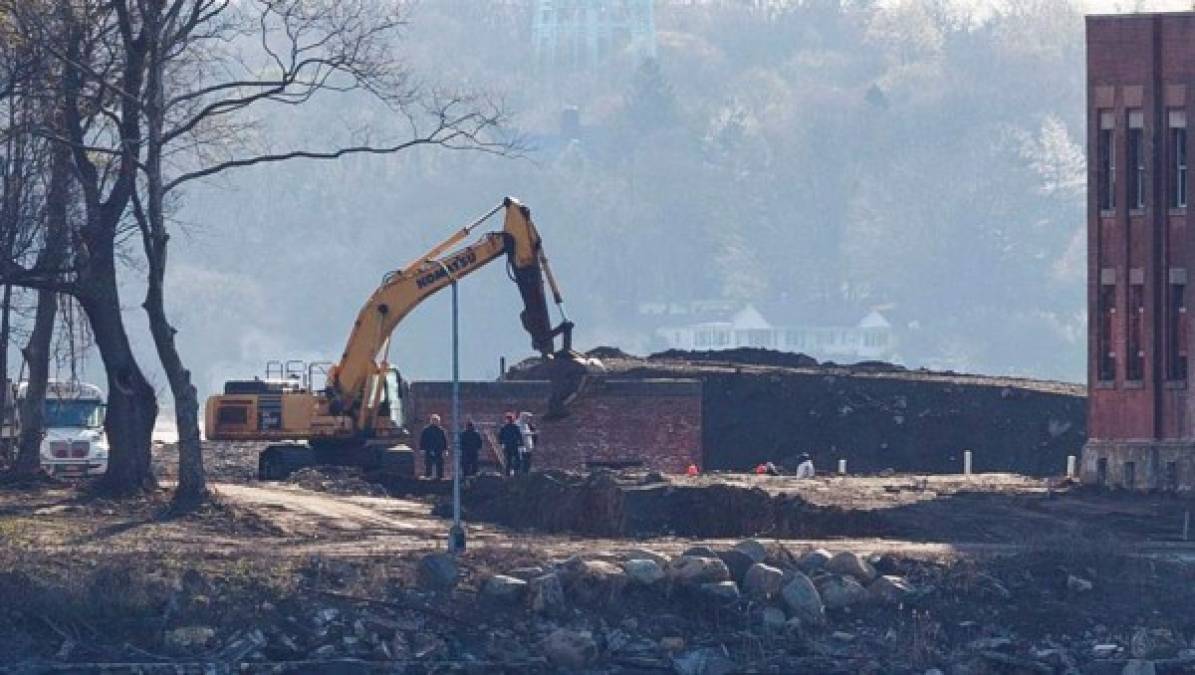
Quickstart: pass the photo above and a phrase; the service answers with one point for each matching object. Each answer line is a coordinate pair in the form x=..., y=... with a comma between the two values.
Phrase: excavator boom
x=354, y=406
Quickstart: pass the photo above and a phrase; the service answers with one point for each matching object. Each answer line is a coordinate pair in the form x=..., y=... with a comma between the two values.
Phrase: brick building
x=655, y=424
x=1140, y=93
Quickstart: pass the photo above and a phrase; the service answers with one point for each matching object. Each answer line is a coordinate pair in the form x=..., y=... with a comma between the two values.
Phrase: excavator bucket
x=570, y=375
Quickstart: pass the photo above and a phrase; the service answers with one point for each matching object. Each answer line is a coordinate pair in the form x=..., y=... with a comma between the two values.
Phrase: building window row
x=1174, y=343
x=1135, y=166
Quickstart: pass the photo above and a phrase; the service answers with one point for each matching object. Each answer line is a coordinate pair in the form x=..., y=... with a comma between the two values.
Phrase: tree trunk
x=132, y=405
x=5, y=338
x=33, y=406
x=192, y=483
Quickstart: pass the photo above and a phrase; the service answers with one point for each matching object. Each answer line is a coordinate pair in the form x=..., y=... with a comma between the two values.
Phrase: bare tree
x=91, y=80
x=283, y=53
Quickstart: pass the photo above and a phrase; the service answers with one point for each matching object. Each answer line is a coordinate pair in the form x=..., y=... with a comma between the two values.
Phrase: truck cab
x=74, y=443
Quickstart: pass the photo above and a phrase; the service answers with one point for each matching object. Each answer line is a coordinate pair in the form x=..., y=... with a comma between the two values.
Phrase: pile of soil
x=338, y=480
x=761, y=405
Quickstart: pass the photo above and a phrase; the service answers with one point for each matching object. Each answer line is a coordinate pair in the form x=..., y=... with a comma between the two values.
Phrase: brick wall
x=654, y=423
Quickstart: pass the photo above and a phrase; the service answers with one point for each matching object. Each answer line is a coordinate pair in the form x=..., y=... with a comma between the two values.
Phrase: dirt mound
x=754, y=356
x=339, y=480
x=761, y=405
x=608, y=353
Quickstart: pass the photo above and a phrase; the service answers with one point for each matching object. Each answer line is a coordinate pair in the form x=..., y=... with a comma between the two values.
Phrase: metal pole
x=456, y=536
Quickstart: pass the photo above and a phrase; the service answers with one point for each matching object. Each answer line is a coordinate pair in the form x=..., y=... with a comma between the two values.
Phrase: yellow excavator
x=353, y=420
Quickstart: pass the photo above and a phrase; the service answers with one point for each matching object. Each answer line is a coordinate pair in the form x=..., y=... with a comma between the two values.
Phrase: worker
x=433, y=441
x=805, y=466
x=692, y=470
x=511, y=439
x=470, y=444
x=529, y=432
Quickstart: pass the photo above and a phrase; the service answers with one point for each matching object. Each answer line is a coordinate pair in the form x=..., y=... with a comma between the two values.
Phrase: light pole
x=456, y=534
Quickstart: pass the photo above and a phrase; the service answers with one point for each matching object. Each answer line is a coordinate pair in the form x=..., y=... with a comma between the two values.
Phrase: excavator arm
x=354, y=383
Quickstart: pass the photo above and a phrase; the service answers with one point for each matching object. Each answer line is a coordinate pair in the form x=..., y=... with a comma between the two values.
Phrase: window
x=1176, y=328
x=1172, y=476
x=1136, y=175
x=1130, y=474
x=232, y=414
x=1101, y=471
x=1107, y=161
x=1136, y=349
x=1178, y=159
x=1107, y=316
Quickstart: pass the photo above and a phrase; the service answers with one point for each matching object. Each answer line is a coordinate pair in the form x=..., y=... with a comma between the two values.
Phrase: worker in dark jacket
x=510, y=437
x=433, y=441
x=470, y=449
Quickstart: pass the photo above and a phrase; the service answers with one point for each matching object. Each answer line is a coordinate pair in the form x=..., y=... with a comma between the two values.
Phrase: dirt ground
x=1008, y=575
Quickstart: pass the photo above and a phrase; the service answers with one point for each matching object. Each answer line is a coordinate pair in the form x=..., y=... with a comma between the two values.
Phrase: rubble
x=339, y=480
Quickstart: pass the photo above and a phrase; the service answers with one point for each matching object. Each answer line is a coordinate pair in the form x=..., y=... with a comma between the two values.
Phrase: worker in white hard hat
x=529, y=432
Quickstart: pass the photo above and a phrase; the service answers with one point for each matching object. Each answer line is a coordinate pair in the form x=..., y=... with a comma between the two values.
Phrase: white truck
x=74, y=442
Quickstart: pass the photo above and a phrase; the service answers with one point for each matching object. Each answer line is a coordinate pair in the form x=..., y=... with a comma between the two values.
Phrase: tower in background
x=574, y=34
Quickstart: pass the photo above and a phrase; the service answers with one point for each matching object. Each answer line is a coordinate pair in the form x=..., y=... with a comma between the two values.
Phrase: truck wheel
x=277, y=462
x=397, y=461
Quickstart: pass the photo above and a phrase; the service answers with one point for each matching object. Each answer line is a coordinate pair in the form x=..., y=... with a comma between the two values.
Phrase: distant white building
x=840, y=335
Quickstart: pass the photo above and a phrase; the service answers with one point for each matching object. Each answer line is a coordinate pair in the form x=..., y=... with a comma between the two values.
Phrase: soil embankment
x=760, y=405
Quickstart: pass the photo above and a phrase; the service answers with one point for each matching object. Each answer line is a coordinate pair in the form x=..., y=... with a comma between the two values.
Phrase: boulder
x=545, y=594
x=593, y=582
x=737, y=562
x=644, y=572
x=803, y=600
x=526, y=573
x=647, y=554
x=721, y=592
x=851, y=564
x=839, y=592
x=700, y=552
x=753, y=548
x=814, y=560
x=568, y=649
x=436, y=572
x=688, y=570
x=503, y=590
x=890, y=589
x=762, y=581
